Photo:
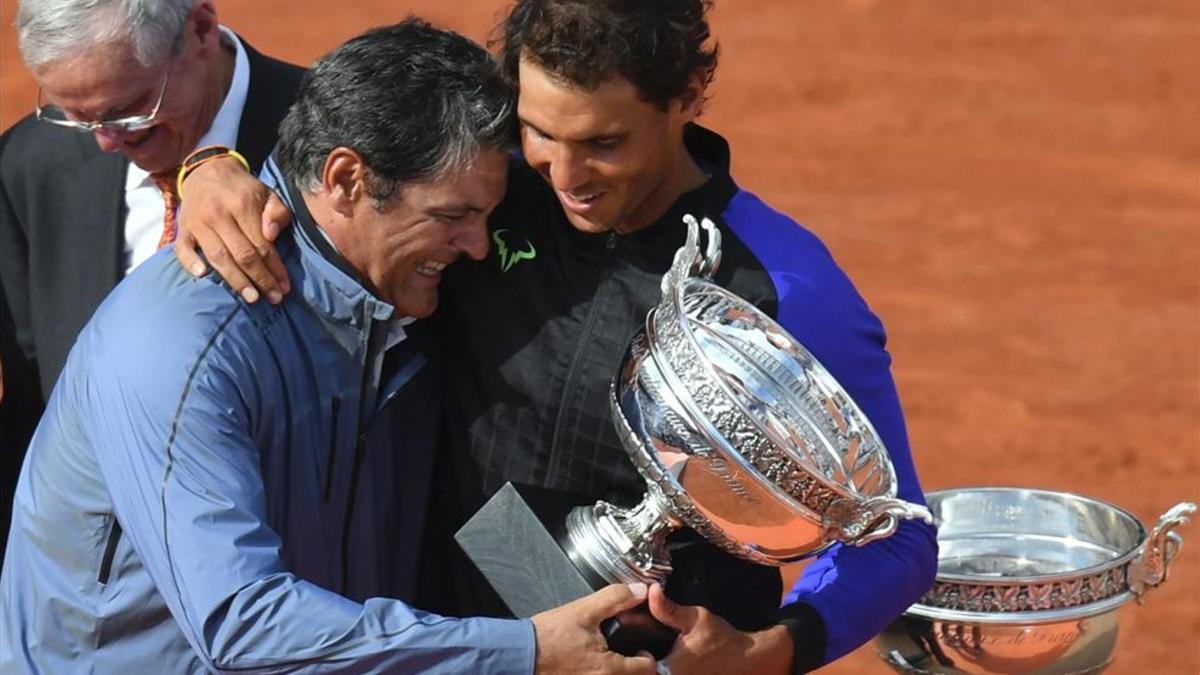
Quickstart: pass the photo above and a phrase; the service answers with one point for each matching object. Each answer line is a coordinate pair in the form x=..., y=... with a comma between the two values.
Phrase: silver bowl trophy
x=740, y=435
x=1029, y=581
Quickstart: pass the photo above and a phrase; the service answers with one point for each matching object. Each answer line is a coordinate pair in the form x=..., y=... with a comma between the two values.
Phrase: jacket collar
x=711, y=152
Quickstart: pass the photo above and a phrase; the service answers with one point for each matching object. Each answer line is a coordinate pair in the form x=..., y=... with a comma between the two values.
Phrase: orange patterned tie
x=165, y=180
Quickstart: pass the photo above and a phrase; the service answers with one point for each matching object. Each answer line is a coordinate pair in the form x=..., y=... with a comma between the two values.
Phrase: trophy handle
x=1150, y=567
x=877, y=518
x=689, y=261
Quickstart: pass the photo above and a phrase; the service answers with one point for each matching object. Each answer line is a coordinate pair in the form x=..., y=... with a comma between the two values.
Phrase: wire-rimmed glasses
x=56, y=116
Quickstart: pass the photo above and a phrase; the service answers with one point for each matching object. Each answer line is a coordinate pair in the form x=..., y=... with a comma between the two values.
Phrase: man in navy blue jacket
x=612, y=158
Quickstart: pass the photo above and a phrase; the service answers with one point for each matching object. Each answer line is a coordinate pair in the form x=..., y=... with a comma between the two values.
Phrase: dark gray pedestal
x=514, y=540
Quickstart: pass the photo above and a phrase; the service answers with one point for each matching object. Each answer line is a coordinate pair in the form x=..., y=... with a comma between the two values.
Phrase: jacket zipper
x=335, y=407
x=556, y=455
x=415, y=363
x=356, y=467
x=110, y=551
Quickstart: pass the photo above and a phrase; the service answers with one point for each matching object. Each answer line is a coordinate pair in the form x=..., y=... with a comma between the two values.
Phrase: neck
x=326, y=220
x=685, y=176
x=217, y=84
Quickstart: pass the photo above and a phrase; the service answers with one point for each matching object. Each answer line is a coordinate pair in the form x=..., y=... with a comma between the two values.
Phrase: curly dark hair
x=658, y=45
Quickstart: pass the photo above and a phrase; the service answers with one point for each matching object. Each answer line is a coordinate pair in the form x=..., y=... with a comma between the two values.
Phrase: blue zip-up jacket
x=222, y=487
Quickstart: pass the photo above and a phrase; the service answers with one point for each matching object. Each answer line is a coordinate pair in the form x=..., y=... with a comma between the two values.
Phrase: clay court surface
x=1015, y=188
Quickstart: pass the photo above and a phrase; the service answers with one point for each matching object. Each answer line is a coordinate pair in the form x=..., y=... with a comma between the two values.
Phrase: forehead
x=95, y=78
x=564, y=110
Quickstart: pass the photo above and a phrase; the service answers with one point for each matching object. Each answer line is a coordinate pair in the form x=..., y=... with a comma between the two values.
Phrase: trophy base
x=514, y=540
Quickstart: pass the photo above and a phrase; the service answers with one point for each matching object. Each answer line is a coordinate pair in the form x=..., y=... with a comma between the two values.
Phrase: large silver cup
x=1029, y=581
x=739, y=433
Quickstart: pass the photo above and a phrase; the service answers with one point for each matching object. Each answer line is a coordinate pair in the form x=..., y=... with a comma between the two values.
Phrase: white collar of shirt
x=396, y=333
x=142, y=198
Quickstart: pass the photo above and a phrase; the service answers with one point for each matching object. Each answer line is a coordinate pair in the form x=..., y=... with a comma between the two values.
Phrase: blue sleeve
x=856, y=591
x=171, y=437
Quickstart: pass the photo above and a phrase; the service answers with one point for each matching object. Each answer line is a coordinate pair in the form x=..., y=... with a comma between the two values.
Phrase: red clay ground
x=1015, y=187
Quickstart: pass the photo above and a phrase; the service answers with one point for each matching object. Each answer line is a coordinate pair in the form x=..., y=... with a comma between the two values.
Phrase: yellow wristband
x=202, y=156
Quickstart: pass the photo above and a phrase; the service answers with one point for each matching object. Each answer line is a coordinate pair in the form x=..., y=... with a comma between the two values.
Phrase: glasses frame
x=119, y=125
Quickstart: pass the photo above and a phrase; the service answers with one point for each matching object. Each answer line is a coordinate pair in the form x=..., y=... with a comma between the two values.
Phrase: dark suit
x=62, y=230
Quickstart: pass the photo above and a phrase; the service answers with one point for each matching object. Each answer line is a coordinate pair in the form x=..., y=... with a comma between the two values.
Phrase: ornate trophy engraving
x=740, y=435
x=1029, y=581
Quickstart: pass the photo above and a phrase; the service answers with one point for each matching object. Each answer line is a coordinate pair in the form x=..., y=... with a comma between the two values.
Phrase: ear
x=691, y=101
x=343, y=180
x=202, y=23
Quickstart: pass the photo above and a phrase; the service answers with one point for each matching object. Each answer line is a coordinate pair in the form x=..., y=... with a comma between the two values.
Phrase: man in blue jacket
x=612, y=158
x=220, y=486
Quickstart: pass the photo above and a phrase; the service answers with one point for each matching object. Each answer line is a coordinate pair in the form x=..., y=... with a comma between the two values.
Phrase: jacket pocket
x=110, y=551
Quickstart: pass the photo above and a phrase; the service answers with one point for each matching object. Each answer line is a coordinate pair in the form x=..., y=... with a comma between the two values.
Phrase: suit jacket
x=62, y=222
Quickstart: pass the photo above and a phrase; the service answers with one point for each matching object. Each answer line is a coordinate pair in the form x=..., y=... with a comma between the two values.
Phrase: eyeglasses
x=53, y=115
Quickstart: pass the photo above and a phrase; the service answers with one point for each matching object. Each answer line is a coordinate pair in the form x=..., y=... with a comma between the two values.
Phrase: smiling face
x=106, y=82
x=615, y=161
x=401, y=249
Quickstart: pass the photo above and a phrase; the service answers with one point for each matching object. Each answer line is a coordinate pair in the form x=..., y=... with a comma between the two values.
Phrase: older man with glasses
x=127, y=90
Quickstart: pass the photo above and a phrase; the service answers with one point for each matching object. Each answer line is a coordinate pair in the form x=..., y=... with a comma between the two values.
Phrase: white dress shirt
x=143, y=200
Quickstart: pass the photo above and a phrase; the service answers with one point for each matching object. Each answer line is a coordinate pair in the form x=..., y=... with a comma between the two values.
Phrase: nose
x=108, y=140
x=568, y=168
x=472, y=240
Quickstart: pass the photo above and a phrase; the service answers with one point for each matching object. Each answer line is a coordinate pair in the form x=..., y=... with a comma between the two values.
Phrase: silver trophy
x=740, y=435
x=1029, y=581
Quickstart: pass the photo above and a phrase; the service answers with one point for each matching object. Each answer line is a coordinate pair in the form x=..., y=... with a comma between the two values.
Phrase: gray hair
x=52, y=30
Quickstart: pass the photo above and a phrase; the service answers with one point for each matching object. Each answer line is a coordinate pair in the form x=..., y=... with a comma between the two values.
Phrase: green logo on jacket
x=509, y=257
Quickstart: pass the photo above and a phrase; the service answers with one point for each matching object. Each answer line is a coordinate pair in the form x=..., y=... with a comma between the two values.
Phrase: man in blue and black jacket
x=592, y=218
x=611, y=160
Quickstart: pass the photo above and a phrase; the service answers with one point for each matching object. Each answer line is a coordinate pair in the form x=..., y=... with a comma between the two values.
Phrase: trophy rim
x=1020, y=617
x=1077, y=593
x=828, y=386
